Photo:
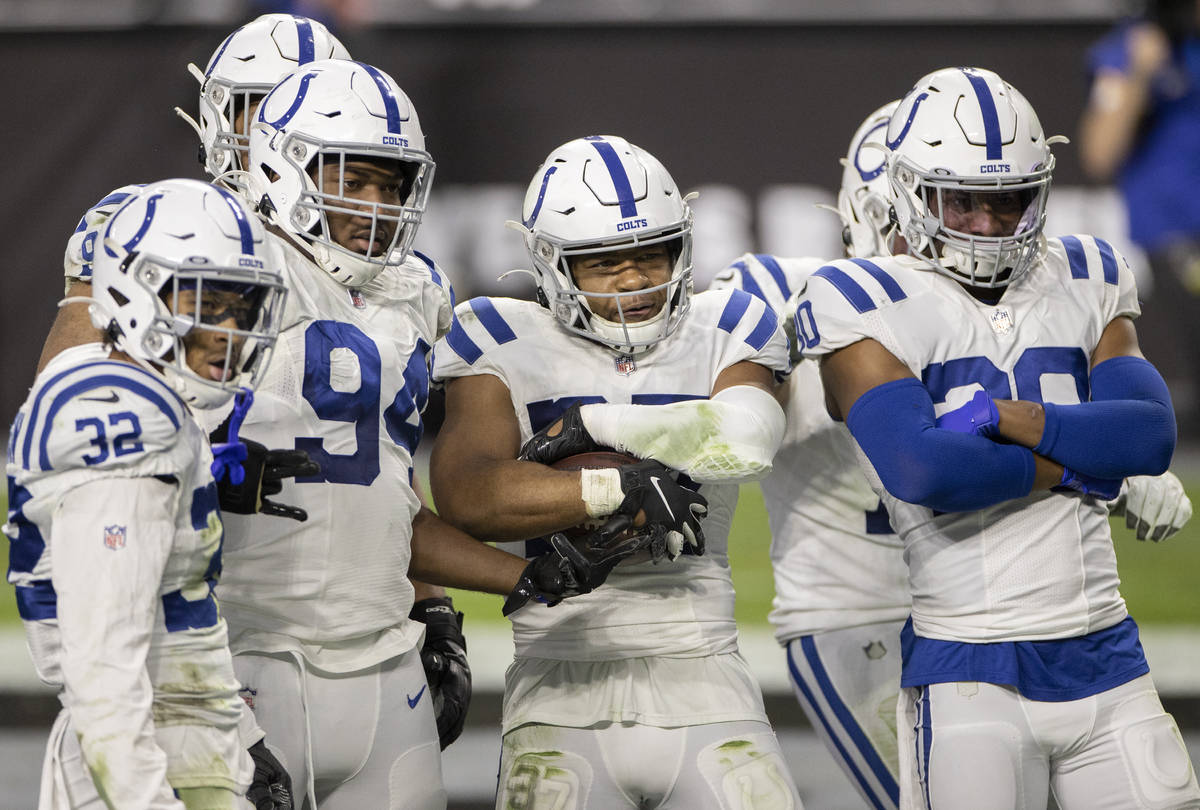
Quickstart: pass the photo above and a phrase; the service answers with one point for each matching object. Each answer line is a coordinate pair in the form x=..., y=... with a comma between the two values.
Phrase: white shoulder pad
x=842, y=304
x=1092, y=264
x=772, y=278
x=749, y=326
x=484, y=333
x=444, y=306
x=100, y=416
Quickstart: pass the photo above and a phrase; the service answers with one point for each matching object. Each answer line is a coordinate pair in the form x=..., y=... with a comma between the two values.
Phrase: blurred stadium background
x=749, y=101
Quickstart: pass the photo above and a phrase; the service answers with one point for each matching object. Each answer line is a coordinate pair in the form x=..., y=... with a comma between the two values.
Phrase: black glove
x=571, y=440
x=565, y=571
x=271, y=788
x=264, y=473
x=444, y=656
x=650, y=487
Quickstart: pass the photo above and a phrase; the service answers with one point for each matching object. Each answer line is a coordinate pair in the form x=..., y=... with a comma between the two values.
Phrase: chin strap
x=229, y=454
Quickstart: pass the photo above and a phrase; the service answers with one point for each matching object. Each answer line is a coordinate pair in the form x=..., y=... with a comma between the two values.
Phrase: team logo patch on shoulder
x=357, y=299
x=114, y=537
x=625, y=364
x=1002, y=320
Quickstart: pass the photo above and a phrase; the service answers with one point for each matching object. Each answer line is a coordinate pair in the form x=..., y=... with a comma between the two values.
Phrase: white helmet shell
x=181, y=235
x=596, y=195
x=865, y=198
x=966, y=134
x=319, y=116
x=240, y=72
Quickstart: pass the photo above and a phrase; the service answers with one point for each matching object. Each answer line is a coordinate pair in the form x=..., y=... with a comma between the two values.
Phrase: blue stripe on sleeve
x=1075, y=256
x=889, y=284
x=462, y=344
x=768, y=261
x=763, y=329
x=991, y=121
x=492, y=320
x=1108, y=261
x=748, y=282
x=854, y=293
x=37, y=601
x=617, y=170
x=735, y=308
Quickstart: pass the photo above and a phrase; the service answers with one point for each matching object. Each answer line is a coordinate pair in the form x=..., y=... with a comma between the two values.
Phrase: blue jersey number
x=1031, y=366
x=122, y=443
x=359, y=407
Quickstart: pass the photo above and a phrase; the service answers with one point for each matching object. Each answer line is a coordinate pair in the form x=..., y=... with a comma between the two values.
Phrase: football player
x=319, y=611
x=841, y=586
x=992, y=379
x=636, y=696
x=113, y=519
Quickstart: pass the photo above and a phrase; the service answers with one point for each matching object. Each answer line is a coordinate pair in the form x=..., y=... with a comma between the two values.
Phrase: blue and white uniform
x=649, y=663
x=1021, y=665
x=115, y=548
x=318, y=611
x=841, y=585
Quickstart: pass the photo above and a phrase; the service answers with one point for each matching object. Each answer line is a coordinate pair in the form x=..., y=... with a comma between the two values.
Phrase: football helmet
x=240, y=72
x=865, y=198
x=317, y=118
x=970, y=171
x=176, y=263
x=597, y=195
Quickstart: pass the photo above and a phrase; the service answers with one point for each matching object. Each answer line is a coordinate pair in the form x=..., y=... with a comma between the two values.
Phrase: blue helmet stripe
x=492, y=320
x=889, y=284
x=219, y=54
x=151, y=205
x=768, y=261
x=854, y=293
x=304, y=32
x=619, y=177
x=537, y=207
x=1075, y=256
x=462, y=344
x=748, y=282
x=391, y=107
x=243, y=222
x=735, y=308
x=282, y=120
x=991, y=121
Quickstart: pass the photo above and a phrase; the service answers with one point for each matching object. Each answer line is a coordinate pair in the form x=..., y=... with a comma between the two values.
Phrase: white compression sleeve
x=730, y=438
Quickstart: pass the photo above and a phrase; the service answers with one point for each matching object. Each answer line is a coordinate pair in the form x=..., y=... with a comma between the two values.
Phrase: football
x=598, y=460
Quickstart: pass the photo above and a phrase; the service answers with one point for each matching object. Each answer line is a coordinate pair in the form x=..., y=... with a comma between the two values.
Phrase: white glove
x=77, y=259
x=1154, y=506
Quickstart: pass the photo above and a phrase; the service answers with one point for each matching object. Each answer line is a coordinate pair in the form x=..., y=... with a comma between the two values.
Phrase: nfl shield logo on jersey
x=357, y=299
x=1002, y=320
x=114, y=537
x=625, y=364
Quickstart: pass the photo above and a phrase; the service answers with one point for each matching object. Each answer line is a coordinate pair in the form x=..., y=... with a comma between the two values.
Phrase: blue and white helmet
x=600, y=194
x=322, y=115
x=240, y=72
x=865, y=198
x=187, y=235
x=966, y=134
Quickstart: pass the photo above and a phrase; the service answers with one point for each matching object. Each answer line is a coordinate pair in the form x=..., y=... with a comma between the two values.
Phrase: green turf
x=1157, y=579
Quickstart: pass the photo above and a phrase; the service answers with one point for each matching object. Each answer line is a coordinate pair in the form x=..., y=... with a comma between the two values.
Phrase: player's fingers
x=283, y=510
x=674, y=544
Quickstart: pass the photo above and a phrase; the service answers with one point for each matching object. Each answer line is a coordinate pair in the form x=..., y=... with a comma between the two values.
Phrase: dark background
x=747, y=105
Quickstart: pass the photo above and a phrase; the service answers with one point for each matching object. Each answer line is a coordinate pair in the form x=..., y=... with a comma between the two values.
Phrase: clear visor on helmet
x=366, y=203
x=222, y=324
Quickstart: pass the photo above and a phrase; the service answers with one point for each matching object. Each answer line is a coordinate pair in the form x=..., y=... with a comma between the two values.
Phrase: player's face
x=625, y=271
x=368, y=181
x=241, y=121
x=206, y=349
x=981, y=213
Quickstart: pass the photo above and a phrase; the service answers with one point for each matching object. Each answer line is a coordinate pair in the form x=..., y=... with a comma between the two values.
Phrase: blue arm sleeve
x=1127, y=429
x=922, y=464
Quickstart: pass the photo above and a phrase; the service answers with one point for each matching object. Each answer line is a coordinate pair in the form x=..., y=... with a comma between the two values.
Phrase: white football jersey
x=681, y=608
x=1037, y=567
x=836, y=560
x=347, y=383
x=130, y=577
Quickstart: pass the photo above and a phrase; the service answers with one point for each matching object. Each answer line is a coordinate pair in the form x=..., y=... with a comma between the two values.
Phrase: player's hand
x=558, y=440
x=271, y=788
x=650, y=488
x=565, y=571
x=444, y=657
x=1155, y=506
x=978, y=417
x=263, y=472
x=1103, y=488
